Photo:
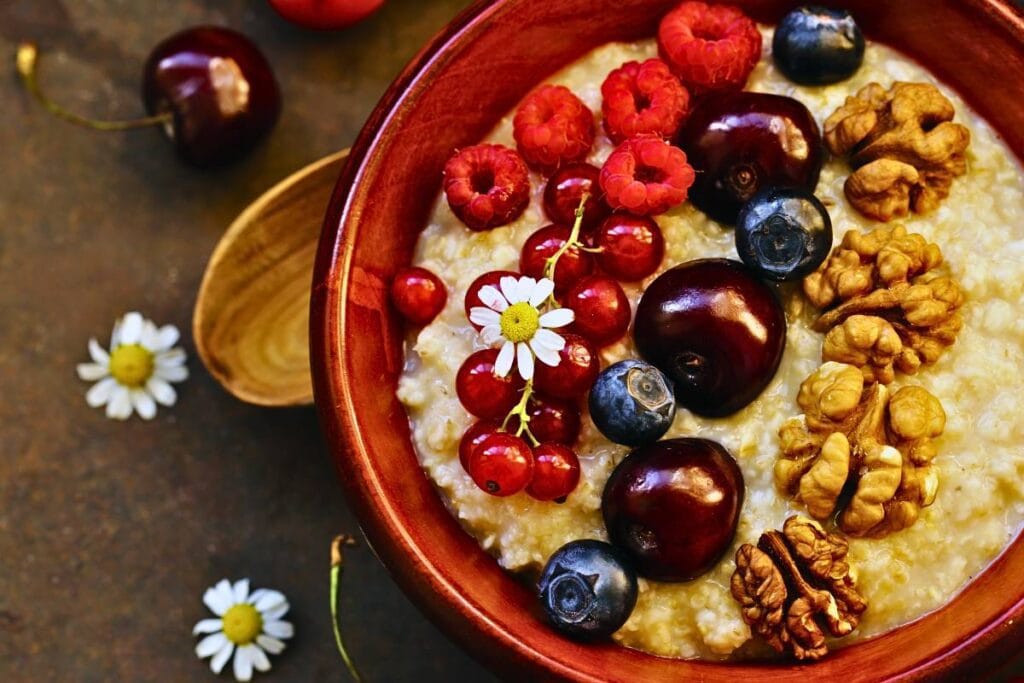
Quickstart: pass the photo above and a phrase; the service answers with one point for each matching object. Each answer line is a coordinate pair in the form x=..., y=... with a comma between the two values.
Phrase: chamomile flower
x=513, y=316
x=136, y=373
x=247, y=624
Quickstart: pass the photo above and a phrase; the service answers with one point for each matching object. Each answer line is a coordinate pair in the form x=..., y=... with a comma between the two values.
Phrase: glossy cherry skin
x=325, y=15
x=482, y=392
x=418, y=294
x=492, y=278
x=220, y=89
x=556, y=472
x=502, y=465
x=552, y=420
x=601, y=308
x=473, y=437
x=740, y=142
x=575, y=373
x=715, y=329
x=572, y=265
x=632, y=247
x=564, y=190
x=673, y=506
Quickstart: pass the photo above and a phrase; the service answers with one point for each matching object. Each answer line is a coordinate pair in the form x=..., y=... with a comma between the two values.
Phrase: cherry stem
x=521, y=412
x=27, y=60
x=573, y=241
x=337, y=563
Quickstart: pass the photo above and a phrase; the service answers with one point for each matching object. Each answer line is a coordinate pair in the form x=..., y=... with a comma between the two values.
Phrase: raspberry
x=646, y=176
x=486, y=186
x=710, y=47
x=553, y=127
x=641, y=99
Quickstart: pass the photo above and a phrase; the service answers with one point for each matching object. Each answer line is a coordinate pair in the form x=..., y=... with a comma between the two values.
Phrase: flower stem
x=523, y=414
x=337, y=563
x=27, y=58
x=573, y=241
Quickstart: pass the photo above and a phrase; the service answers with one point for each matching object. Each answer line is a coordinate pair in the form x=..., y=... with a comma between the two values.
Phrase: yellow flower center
x=242, y=623
x=519, y=322
x=131, y=364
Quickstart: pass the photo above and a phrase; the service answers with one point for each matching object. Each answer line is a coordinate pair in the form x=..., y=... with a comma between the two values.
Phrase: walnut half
x=795, y=586
x=852, y=438
x=903, y=145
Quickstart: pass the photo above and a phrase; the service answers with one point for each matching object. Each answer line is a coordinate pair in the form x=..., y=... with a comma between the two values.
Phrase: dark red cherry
x=418, y=294
x=601, y=309
x=482, y=392
x=551, y=419
x=715, y=329
x=492, y=278
x=575, y=373
x=573, y=264
x=501, y=465
x=473, y=437
x=219, y=88
x=632, y=247
x=564, y=190
x=556, y=472
x=741, y=142
x=673, y=506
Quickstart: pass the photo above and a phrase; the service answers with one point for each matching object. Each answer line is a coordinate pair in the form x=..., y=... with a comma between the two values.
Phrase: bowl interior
x=452, y=95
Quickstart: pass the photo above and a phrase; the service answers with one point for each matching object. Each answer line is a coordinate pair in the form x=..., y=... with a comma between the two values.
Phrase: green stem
x=520, y=411
x=573, y=241
x=27, y=59
x=337, y=563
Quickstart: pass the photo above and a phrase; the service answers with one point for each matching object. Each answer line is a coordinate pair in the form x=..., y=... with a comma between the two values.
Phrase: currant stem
x=27, y=60
x=521, y=412
x=337, y=563
x=573, y=241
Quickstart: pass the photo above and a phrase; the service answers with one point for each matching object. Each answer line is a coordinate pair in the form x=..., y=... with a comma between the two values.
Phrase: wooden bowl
x=451, y=95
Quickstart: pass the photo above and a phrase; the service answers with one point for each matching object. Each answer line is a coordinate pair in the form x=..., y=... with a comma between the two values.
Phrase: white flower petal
x=98, y=353
x=275, y=613
x=503, y=363
x=541, y=291
x=243, y=664
x=544, y=354
x=559, y=317
x=207, y=626
x=143, y=404
x=490, y=334
x=131, y=328
x=211, y=644
x=167, y=336
x=115, y=334
x=149, y=336
x=478, y=315
x=255, y=596
x=510, y=288
x=216, y=601
x=552, y=341
x=221, y=658
x=279, y=629
x=100, y=392
x=161, y=391
x=524, y=358
x=271, y=645
x=90, y=372
x=525, y=288
x=223, y=587
x=170, y=359
x=241, y=590
x=259, y=659
x=119, y=407
x=493, y=298
x=178, y=374
x=269, y=600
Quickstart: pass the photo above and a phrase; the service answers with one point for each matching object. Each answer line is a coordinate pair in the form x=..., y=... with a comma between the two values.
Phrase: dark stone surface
x=110, y=532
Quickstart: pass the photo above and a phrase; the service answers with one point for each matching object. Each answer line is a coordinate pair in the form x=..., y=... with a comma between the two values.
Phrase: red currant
x=418, y=294
x=551, y=419
x=572, y=265
x=601, y=308
x=501, y=465
x=576, y=370
x=482, y=392
x=564, y=190
x=556, y=472
x=631, y=246
x=492, y=278
x=474, y=436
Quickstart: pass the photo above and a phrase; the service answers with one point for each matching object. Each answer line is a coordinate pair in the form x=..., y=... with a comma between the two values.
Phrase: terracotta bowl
x=451, y=95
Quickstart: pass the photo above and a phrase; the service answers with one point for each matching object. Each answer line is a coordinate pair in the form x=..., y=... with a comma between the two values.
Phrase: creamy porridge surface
x=980, y=503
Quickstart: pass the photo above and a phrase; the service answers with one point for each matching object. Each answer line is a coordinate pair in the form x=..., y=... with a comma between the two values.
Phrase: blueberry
x=783, y=233
x=632, y=403
x=588, y=589
x=816, y=45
